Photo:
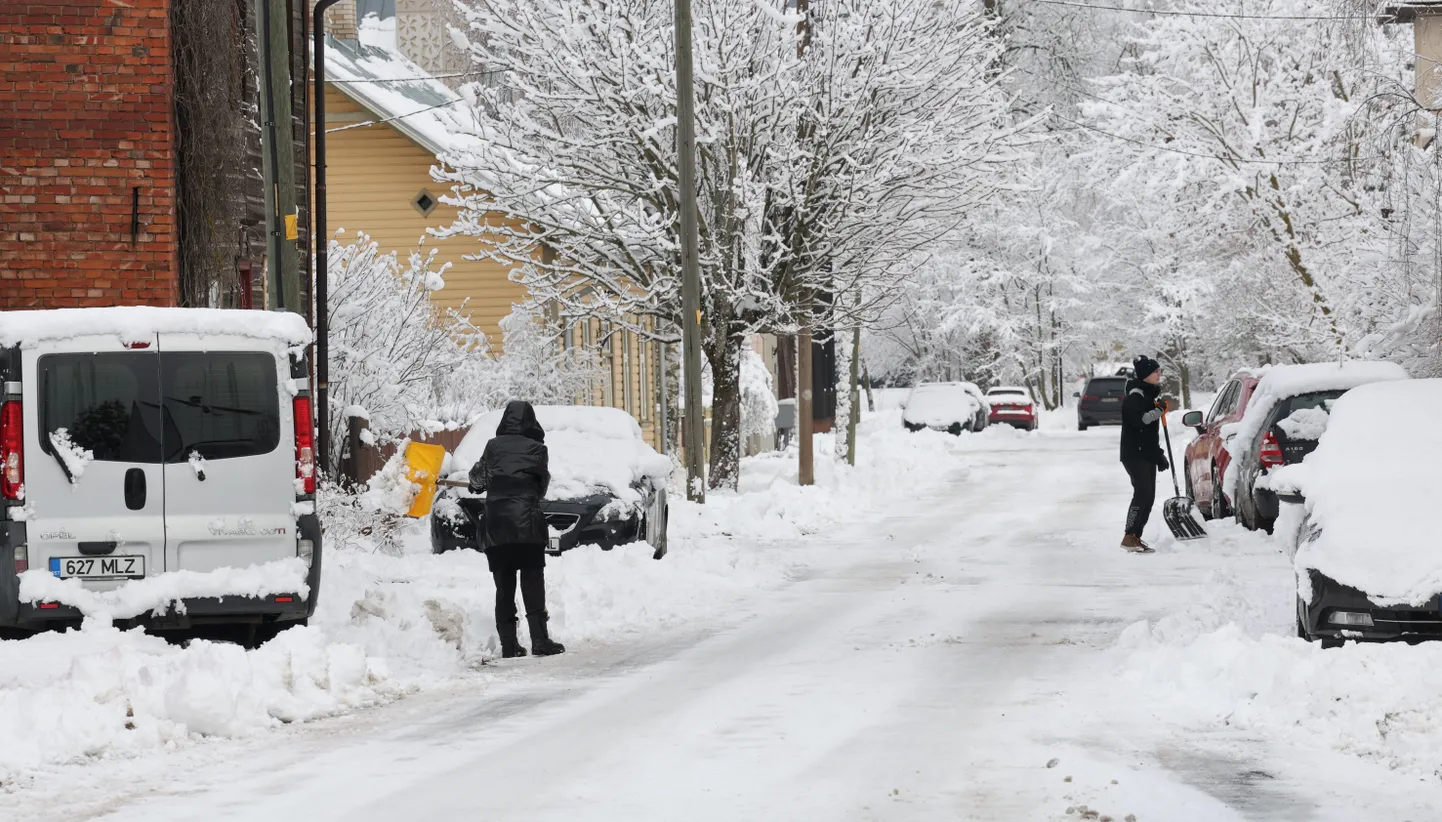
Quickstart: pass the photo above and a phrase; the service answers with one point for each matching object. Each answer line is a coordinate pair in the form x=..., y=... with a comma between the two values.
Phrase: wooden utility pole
x=282, y=230
x=854, y=398
x=805, y=422
x=805, y=409
x=694, y=426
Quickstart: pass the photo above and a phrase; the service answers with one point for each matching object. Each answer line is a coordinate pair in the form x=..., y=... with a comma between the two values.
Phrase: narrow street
x=929, y=667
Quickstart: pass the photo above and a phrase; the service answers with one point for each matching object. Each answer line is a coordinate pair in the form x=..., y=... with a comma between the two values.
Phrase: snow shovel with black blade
x=1180, y=512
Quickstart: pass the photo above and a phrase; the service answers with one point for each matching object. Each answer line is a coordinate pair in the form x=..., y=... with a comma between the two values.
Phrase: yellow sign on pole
x=292, y=227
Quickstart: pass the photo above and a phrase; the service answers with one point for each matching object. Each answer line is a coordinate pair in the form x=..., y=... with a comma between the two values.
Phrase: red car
x=1012, y=406
x=1206, y=459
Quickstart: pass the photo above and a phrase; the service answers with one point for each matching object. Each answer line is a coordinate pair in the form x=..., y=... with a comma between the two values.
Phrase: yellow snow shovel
x=423, y=467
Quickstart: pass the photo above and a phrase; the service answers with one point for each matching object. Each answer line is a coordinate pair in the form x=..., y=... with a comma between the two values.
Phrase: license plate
x=125, y=567
x=555, y=546
x=1111, y=399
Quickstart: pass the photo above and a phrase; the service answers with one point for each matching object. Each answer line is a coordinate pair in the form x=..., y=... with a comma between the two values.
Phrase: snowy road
x=926, y=666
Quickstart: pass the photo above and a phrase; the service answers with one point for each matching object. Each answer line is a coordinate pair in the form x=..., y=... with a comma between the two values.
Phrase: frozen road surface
x=972, y=655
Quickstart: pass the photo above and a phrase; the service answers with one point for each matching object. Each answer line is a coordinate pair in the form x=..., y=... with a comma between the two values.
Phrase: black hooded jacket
x=1140, y=423
x=514, y=472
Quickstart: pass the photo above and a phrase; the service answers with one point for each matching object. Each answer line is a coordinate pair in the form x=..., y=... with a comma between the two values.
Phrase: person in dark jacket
x=1141, y=450
x=514, y=472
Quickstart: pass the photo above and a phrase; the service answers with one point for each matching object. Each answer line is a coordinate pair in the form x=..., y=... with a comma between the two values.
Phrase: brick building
x=87, y=160
x=130, y=156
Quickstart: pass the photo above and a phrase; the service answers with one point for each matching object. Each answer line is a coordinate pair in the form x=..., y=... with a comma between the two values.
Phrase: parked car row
x=955, y=407
x=1323, y=437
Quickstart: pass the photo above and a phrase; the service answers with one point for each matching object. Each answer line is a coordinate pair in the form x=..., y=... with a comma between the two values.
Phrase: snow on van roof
x=1366, y=490
x=136, y=323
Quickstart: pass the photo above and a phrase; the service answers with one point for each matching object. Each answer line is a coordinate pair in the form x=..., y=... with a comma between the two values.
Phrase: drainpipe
x=320, y=322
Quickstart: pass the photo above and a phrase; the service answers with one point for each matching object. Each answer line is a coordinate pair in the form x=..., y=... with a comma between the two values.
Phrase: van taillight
x=1271, y=451
x=12, y=451
x=304, y=445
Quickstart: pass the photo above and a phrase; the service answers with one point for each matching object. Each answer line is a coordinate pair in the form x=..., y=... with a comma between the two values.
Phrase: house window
x=424, y=202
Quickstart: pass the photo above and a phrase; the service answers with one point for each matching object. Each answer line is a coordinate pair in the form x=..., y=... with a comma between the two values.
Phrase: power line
x=349, y=126
x=1177, y=13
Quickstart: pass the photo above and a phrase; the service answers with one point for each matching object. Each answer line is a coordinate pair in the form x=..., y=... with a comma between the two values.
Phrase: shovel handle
x=445, y=483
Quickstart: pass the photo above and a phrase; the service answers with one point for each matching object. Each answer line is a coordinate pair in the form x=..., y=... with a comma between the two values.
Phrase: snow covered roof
x=1368, y=485
x=135, y=323
x=380, y=79
x=591, y=449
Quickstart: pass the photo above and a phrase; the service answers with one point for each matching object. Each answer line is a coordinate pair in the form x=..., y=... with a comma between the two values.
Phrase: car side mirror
x=1192, y=419
x=1292, y=498
x=1076, y=395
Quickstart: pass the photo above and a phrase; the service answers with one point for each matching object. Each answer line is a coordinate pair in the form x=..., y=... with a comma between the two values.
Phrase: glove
x=1162, y=464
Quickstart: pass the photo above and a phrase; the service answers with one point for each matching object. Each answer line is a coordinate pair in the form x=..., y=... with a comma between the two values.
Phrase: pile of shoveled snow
x=394, y=618
x=1228, y=661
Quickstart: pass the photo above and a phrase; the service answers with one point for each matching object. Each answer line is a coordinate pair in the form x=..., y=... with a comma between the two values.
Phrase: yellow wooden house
x=388, y=124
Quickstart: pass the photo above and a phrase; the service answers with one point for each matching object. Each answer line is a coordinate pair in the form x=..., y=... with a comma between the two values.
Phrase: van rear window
x=221, y=405
x=109, y=404
x=145, y=407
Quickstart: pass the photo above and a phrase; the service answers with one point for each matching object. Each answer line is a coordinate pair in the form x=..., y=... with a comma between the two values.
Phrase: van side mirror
x=1192, y=419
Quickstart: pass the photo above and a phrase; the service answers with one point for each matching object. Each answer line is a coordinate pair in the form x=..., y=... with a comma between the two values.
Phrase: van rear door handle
x=91, y=549
x=135, y=489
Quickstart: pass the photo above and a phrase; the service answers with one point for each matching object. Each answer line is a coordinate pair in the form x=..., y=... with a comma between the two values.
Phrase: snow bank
x=158, y=593
x=1228, y=661
x=74, y=696
x=390, y=624
x=1283, y=382
x=140, y=323
x=1366, y=485
x=591, y=449
x=940, y=405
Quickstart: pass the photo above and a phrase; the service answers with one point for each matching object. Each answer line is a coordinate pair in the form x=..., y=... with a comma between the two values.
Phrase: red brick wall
x=85, y=118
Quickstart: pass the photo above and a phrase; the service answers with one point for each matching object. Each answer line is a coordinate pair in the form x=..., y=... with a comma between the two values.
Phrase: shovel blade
x=1183, y=518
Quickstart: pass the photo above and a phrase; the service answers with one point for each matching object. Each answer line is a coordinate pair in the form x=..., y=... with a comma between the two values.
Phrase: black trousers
x=1144, y=495
x=533, y=591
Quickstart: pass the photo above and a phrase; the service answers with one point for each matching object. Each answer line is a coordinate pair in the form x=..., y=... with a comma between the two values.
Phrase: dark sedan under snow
x=608, y=486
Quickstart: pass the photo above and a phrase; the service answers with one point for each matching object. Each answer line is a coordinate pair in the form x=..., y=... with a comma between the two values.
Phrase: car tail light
x=12, y=451
x=1271, y=451
x=304, y=445
x=1090, y=398
x=22, y=559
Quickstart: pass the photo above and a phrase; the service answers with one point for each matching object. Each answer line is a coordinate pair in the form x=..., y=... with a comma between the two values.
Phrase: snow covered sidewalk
x=392, y=625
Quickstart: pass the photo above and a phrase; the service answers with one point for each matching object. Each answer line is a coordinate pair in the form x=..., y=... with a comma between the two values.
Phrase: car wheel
x=1219, y=499
x=1330, y=642
x=1302, y=622
x=1081, y=426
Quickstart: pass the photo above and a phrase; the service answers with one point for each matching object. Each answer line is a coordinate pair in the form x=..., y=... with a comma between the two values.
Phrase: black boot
x=541, y=642
x=510, y=645
x=533, y=591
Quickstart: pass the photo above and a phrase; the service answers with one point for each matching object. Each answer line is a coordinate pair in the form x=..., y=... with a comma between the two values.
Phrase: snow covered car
x=1287, y=413
x=1012, y=406
x=140, y=442
x=945, y=406
x=608, y=487
x=1365, y=556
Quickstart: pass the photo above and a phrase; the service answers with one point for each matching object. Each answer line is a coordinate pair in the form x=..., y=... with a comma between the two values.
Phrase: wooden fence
x=363, y=460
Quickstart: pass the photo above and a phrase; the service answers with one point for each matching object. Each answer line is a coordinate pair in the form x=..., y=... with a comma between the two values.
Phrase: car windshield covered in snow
x=591, y=450
x=940, y=405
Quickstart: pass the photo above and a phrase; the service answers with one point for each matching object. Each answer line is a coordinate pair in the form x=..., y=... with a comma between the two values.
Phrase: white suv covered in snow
x=156, y=465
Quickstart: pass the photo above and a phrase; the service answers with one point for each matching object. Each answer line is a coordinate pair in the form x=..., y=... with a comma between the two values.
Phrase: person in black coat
x=514, y=472
x=1141, y=450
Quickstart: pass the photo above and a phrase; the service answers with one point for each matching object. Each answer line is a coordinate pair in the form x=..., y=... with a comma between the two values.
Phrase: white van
x=135, y=442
